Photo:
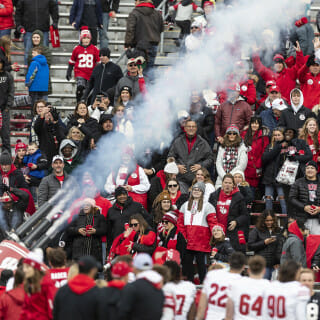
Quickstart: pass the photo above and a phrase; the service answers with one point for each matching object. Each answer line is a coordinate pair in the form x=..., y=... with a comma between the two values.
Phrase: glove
x=55, y=114
x=310, y=60
x=5, y=188
x=69, y=72
x=55, y=26
x=30, y=165
x=22, y=30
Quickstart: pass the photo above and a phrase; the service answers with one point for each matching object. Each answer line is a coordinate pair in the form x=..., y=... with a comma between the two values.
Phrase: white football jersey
x=215, y=287
x=286, y=301
x=184, y=294
x=247, y=295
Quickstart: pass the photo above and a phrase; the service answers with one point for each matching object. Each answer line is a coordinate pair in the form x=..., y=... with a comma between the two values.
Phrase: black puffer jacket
x=237, y=212
x=144, y=24
x=271, y=163
x=117, y=217
x=35, y=14
x=103, y=77
x=272, y=251
x=79, y=241
x=292, y=120
x=299, y=198
x=224, y=251
x=48, y=134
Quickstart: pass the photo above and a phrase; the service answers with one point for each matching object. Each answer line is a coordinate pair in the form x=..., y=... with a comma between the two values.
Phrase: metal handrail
x=162, y=7
x=121, y=56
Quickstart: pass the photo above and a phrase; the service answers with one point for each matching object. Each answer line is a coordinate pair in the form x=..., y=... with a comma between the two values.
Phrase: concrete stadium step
x=67, y=14
x=71, y=28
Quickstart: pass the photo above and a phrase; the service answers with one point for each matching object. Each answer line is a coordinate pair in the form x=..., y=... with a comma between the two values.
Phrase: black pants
x=187, y=264
x=94, y=35
x=5, y=131
x=185, y=28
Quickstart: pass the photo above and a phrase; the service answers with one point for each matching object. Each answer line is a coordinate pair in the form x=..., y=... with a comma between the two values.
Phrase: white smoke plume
x=236, y=30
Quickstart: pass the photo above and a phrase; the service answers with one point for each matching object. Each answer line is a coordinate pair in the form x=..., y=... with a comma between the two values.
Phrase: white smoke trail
x=236, y=31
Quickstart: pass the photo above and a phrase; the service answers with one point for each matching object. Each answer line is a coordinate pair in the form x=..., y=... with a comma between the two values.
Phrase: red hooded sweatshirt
x=81, y=284
x=11, y=304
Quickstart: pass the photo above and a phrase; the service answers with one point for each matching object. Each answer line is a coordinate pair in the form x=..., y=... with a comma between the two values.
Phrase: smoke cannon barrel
x=38, y=215
x=42, y=242
x=42, y=228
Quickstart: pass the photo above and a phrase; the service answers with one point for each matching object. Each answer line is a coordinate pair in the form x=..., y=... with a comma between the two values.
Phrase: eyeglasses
x=133, y=225
x=231, y=134
x=132, y=64
x=172, y=185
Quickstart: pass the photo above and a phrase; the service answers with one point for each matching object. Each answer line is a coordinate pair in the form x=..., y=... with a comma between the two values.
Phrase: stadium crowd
x=169, y=219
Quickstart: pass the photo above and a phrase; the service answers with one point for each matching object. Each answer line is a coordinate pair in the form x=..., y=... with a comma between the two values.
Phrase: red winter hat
x=85, y=33
x=241, y=237
x=120, y=269
x=20, y=145
x=301, y=22
x=220, y=227
x=208, y=3
x=171, y=217
x=278, y=58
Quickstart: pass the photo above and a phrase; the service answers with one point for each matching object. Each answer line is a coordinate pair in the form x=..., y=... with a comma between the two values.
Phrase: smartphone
x=98, y=97
x=273, y=237
x=313, y=207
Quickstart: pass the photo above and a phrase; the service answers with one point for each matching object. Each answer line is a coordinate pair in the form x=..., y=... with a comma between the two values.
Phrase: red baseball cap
x=120, y=269
x=271, y=83
x=275, y=88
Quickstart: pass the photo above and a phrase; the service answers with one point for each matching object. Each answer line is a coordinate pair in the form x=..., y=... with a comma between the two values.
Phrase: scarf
x=230, y=159
x=88, y=239
x=34, y=137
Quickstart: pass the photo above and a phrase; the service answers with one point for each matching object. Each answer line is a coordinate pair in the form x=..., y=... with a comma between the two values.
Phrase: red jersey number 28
x=85, y=60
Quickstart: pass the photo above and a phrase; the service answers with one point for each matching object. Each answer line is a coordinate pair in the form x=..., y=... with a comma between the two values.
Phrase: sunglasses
x=166, y=222
x=231, y=134
x=132, y=64
x=133, y=225
x=172, y=185
x=194, y=28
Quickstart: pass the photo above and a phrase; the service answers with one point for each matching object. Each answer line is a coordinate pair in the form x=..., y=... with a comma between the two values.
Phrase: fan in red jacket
x=309, y=77
x=11, y=302
x=247, y=88
x=284, y=77
x=6, y=15
x=256, y=140
x=195, y=222
x=39, y=290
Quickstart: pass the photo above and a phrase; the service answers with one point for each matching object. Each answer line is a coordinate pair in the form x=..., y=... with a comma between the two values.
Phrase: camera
x=99, y=97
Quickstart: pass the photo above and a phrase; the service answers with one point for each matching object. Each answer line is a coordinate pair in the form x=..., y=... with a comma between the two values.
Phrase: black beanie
x=312, y=163
x=104, y=52
x=119, y=191
x=5, y=158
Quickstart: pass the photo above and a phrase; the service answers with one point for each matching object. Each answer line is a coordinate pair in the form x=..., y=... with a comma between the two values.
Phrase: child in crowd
x=37, y=163
x=84, y=58
x=37, y=78
x=21, y=151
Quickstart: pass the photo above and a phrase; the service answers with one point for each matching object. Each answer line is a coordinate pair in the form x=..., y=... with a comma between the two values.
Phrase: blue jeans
x=268, y=273
x=103, y=35
x=27, y=39
x=269, y=190
x=152, y=54
x=5, y=32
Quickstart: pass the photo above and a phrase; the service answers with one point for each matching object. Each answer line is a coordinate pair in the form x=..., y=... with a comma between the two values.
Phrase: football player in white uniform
x=307, y=278
x=214, y=292
x=246, y=295
x=184, y=293
x=286, y=299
